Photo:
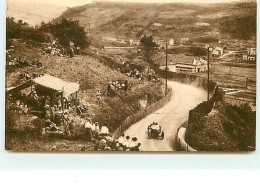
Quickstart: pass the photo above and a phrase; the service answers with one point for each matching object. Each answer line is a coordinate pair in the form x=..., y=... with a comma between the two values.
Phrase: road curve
x=169, y=117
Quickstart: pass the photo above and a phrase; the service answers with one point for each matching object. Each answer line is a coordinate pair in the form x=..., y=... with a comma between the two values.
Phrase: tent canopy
x=57, y=84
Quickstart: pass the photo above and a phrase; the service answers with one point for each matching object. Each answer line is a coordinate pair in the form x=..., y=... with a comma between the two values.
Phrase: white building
x=196, y=66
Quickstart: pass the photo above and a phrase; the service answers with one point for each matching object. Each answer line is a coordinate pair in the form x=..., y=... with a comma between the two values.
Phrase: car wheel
x=149, y=135
x=162, y=135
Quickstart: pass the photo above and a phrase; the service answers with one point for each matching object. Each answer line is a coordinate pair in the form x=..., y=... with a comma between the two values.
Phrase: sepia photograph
x=129, y=76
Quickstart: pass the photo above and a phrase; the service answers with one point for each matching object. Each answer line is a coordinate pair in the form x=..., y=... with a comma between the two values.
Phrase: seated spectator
x=102, y=144
x=104, y=131
x=53, y=127
x=117, y=147
x=97, y=130
x=25, y=110
x=121, y=139
x=133, y=144
x=137, y=148
x=126, y=142
x=47, y=123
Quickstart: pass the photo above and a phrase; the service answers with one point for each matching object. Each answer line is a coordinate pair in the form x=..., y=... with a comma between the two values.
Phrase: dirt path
x=169, y=117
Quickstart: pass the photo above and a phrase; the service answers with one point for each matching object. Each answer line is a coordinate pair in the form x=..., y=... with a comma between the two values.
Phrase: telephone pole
x=208, y=73
x=166, y=68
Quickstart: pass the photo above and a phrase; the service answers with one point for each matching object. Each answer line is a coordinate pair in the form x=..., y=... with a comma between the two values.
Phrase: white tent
x=57, y=84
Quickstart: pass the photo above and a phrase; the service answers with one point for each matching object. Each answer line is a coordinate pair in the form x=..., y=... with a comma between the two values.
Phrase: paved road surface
x=169, y=117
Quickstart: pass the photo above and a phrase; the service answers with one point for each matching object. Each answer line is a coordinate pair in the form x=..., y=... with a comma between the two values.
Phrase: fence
x=141, y=114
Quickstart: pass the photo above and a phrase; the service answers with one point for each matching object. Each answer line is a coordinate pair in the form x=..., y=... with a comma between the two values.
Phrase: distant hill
x=174, y=20
x=33, y=13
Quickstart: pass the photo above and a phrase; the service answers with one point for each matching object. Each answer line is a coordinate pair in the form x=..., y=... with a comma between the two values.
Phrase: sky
x=71, y=3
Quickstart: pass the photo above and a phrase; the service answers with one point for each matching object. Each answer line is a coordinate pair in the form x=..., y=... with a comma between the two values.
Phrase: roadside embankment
x=180, y=138
x=141, y=114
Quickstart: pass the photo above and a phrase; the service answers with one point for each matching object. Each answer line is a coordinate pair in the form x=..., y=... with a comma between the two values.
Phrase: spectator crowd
x=117, y=85
x=56, y=49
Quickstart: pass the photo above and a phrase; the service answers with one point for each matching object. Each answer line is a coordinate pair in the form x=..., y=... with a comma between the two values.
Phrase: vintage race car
x=155, y=131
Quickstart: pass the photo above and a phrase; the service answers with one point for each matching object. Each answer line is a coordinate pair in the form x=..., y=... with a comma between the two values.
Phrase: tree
x=69, y=31
x=148, y=48
x=21, y=30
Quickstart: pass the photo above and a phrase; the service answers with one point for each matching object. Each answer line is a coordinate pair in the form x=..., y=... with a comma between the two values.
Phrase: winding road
x=169, y=117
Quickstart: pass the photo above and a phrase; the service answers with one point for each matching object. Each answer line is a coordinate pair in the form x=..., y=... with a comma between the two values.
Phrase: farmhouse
x=217, y=52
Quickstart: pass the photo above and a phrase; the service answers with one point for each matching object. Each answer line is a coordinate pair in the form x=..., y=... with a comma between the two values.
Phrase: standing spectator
x=59, y=103
x=109, y=88
x=98, y=96
x=53, y=113
x=150, y=76
x=125, y=85
x=88, y=131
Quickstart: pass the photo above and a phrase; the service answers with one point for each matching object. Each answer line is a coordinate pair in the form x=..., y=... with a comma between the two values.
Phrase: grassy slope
x=92, y=75
x=179, y=20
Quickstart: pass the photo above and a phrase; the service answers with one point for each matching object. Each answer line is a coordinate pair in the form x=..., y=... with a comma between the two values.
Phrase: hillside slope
x=129, y=20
